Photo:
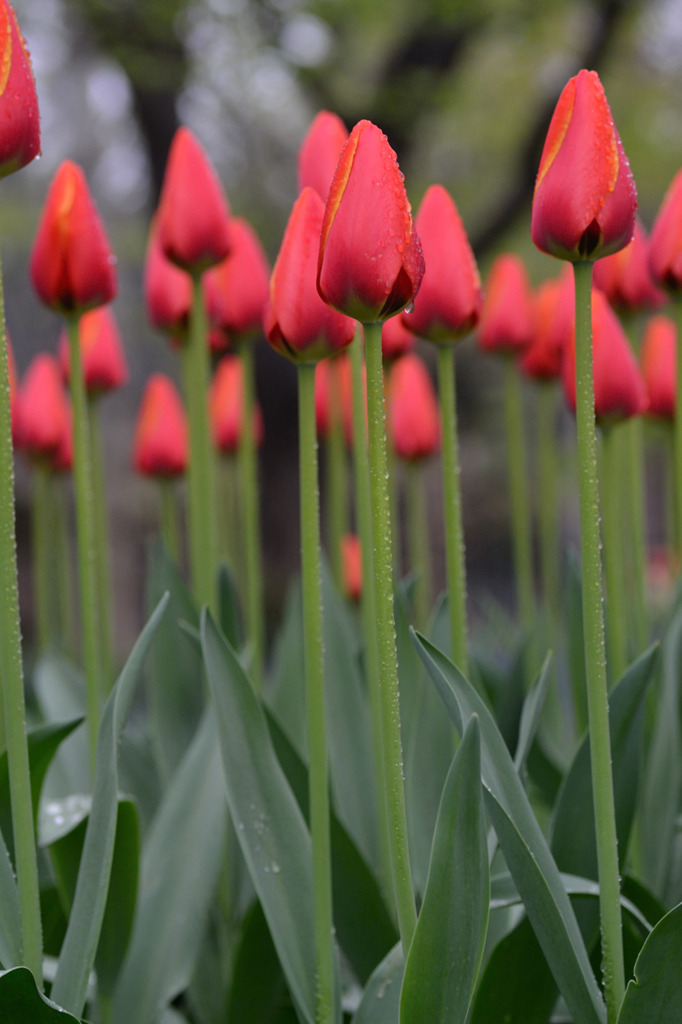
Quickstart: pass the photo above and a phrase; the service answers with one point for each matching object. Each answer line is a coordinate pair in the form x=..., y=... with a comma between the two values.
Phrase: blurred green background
x=463, y=89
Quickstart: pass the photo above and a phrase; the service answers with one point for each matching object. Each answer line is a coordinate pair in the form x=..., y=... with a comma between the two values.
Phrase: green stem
x=42, y=574
x=202, y=506
x=314, y=676
x=337, y=491
x=12, y=681
x=86, y=538
x=368, y=597
x=64, y=562
x=452, y=509
x=419, y=541
x=548, y=499
x=386, y=640
x=518, y=487
x=614, y=577
x=595, y=661
x=170, y=533
x=253, y=560
x=102, y=549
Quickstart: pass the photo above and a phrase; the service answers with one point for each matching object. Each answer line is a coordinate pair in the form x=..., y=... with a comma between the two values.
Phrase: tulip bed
x=379, y=819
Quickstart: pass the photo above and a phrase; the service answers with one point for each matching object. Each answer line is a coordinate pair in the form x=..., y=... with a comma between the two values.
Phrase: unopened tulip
x=226, y=406
x=396, y=338
x=585, y=198
x=351, y=557
x=449, y=302
x=193, y=214
x=552, y=326
x=659, y=366
x=413, y=416
x=167, y=290
x=72, y=265
x=625, y=277
x=665, y=239
x=340, y=368
x=297, y=322
x=371, y=263
x=44, y=408
x=619, y=390
x=236, y=290
x=104, y=362
x=506, y=323
x=19, y=118
x=320, y=151
x=160, y=446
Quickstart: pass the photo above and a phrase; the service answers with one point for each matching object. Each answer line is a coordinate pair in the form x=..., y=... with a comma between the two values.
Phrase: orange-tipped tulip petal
x=552, y=325
x=72, y=265
x=371, y=263
x=506, y=323
x=585, y=197
x=104, y=362
x=19, y=118
x=625, y=277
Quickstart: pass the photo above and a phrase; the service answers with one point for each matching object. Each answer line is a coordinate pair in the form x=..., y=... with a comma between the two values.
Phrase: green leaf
x=654, y=996
x=380, y=1003
x=258, y=986
x=574, y=844
x=447, y=948
x=229, y=606
x=60, y=690
x=21, y=1001
x=176, y=684
x=85, y=921
x=180, y=866
x=270, y=827
x=286, y=686
x=531, y=714
x=10, y=921
x=523, y=844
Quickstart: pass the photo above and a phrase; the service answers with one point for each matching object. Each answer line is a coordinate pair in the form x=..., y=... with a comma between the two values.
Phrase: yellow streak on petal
x=556, y=132
x=5, y=48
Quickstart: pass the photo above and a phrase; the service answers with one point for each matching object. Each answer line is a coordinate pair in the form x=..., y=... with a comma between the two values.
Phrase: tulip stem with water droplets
x=253, y=561
x=12, y=707
x=313, y=658
x=386, y=640
x=595, y=660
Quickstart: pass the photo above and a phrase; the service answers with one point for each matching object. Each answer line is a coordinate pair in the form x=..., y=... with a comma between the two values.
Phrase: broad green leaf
x=654, y=996
x=60, y=690
x=380, y=1003
x=258, y=986
x=180, y=866
x=229, y=606
x=573, y=842
x=22, y=1002
x=176, y=684
x=82, y=935
x=447, y=948
x=364, y=928
x=10, y=922
x=531, y=713
x=662, y=783
x=516, y=986
x=523, y=843
x=270, y=827
x=286, y=686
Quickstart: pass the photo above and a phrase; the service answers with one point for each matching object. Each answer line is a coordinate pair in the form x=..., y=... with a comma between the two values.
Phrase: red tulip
x=449, y=302
x=413, y=416
x=19, y=118
x=44, y=415
x=665, y=239
x=320, y=151
x=371, y=263
x=659, y=365
x=585, y=197
x=553, y=317
x=167, y=290
x=619, y=390
x=396, y=338
x=193, y=214
x=160, y=447
x=351, y=559
x=625, y=277
x=297, y=322
x=226, y=406
x=237, y=289
x=335, y=373
x=506, y=323
x=104, y=361
x=72, y=265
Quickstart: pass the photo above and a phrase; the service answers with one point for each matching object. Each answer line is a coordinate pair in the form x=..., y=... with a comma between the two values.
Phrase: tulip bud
x=659, y=366
x=167, y=290
x=449, y=302
x=193, y=215
x=19, y=118
x=337, y=372
x=320, y=151
x=226, y=406
x=665, y=239
x=506, y=323
x=396, y=338
x=552, y=326
x=351, y=558
x=44, y=409
x=297, y=322
x=236, y=290
x=72, y=265
x=413, y=415
x=585, y=198
x=160, y=446
x=104, y=361
x=371, y=263
x=619, y=390
x=625, y=277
